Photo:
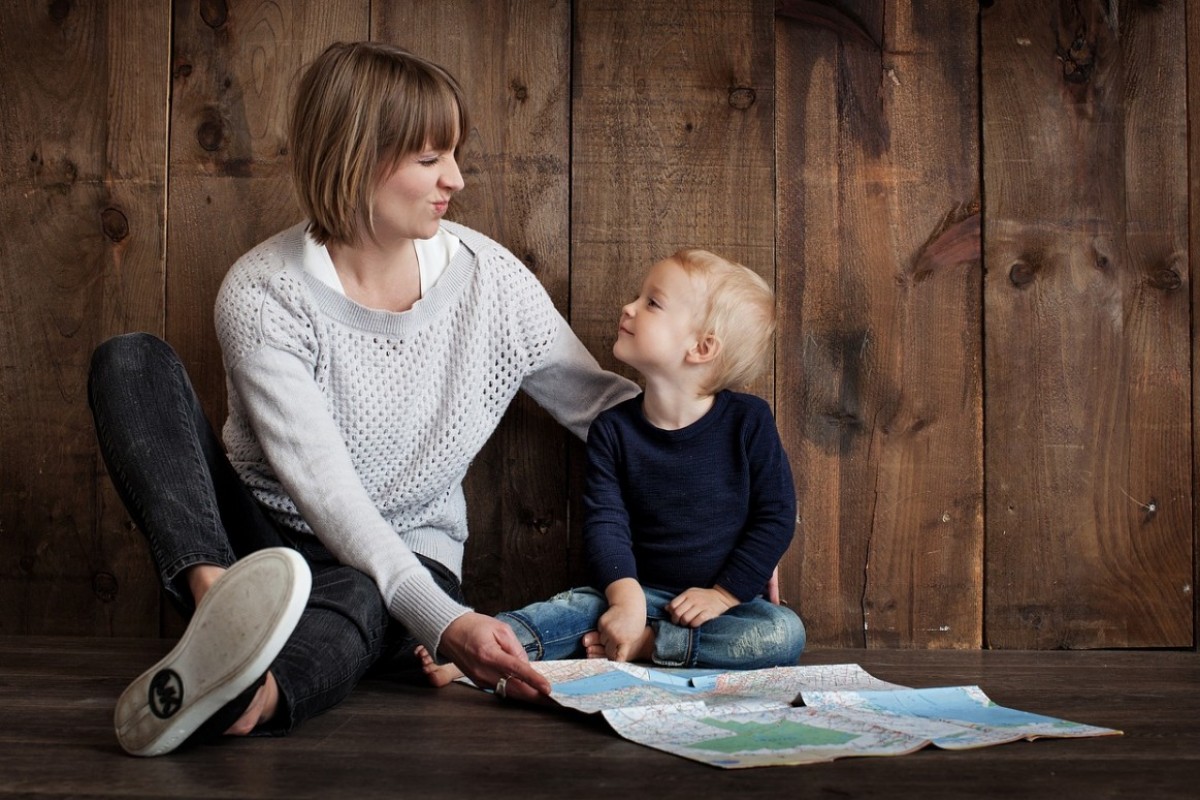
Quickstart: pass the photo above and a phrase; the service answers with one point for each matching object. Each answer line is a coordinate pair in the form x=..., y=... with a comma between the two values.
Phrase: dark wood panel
x=671, y=123
x=1088, y=355
x=56, y=697
x=880, y=340
x=234, y=67
x=672, y=130
x=1193, y=123
x=513, y=60
x=82, y=163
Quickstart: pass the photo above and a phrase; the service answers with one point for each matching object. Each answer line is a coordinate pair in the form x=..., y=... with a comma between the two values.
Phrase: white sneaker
x=237, y=631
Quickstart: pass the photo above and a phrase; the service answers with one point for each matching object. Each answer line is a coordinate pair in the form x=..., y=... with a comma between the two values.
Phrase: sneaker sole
x=239, y=628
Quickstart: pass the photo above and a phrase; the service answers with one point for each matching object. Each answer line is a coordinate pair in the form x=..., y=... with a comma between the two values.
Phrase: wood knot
x=182, y=70
x=539, y=524
x=215, y=13
x=104, y=584
x=1022, y=273
x=742, y=97
x=114, y=224
x=1078, y=59
x=211, y=131
x=520, y=91
x=60, y=10
x=1166, y=279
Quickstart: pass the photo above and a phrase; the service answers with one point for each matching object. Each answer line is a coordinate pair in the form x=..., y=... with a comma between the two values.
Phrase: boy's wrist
x=726, y=595
x=625, y=593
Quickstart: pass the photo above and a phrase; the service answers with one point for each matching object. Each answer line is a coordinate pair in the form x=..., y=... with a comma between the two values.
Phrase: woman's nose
x=452, y=177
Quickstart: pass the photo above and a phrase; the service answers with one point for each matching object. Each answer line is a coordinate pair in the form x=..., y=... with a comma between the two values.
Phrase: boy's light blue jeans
x=754, y=635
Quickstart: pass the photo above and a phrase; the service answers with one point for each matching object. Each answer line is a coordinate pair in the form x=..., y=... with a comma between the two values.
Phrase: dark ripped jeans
x=171, y=472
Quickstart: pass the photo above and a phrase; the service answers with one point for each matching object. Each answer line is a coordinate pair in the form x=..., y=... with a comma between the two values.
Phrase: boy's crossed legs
x=753, y=635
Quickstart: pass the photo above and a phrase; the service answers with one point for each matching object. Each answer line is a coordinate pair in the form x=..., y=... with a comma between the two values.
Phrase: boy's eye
x=650, y=301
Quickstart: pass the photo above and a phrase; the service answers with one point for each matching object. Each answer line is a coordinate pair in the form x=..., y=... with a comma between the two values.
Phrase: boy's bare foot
x=643, y=650
x=439, y=675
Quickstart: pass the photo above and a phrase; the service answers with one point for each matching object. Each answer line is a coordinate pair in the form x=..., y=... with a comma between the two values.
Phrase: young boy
x=689, y=502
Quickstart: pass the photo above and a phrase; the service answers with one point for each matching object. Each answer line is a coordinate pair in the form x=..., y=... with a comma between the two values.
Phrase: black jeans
x=171, y=472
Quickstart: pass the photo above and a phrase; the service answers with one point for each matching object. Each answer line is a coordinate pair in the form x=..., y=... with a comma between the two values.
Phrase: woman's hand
x=487, y=650
x=697, y=606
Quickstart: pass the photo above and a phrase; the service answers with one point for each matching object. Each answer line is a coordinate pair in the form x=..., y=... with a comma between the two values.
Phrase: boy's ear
x=704, y=350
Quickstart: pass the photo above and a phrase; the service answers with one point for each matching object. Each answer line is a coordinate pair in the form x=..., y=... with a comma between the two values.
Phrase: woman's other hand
x=487, y=650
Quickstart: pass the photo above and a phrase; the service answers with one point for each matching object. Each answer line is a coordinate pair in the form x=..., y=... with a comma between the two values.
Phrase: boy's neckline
x=693, y=414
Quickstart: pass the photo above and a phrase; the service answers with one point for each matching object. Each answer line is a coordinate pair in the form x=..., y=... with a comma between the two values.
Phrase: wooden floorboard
x=392, y=740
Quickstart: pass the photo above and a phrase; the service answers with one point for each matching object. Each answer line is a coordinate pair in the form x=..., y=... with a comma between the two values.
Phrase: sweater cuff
x=425, y=609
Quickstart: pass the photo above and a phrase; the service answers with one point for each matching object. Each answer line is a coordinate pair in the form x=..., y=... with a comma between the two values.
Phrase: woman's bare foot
x=439, y=675
x=261, y=709
x=643, y=650
x=200, y=579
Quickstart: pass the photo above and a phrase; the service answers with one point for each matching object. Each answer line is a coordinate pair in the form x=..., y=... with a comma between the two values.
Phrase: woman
x=369, y=353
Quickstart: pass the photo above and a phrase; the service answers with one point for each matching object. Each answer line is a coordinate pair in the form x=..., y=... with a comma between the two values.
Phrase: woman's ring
x=500, y=686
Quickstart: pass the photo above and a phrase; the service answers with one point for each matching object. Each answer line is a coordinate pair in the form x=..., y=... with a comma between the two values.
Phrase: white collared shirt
x=433, y=256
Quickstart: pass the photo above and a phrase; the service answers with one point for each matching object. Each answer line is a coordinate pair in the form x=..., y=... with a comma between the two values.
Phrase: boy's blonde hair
x=739, y=313
x=360, y=108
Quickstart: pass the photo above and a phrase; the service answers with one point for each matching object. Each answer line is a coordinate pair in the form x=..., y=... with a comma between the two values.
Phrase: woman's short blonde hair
x=360, y=108
x=739, y=313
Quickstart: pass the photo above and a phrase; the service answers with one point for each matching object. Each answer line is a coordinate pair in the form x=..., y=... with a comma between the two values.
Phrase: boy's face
x=658, y=329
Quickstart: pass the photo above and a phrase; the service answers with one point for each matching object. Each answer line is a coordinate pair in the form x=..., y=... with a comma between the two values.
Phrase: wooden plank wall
x=976, y=222
x=1088, y=316
x=879, y=350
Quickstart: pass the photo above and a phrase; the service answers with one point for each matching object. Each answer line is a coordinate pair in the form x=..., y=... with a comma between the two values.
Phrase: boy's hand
x=622, y=630
x=622, y=627
x=697, y=606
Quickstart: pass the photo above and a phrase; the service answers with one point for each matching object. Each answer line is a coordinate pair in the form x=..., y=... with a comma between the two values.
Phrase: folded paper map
x=789, y=715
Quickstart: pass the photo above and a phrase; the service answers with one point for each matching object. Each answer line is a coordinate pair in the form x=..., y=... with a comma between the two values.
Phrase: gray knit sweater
x=358, y=425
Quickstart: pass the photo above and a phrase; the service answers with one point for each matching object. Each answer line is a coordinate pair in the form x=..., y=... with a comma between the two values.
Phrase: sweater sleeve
x=772, y=518
x=570, y=384
x=271, y=375
x=607, y=536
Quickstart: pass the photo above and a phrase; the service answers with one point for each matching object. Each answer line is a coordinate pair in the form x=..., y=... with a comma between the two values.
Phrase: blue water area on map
x=698, y=678
x=950, y=703
x=617, y=679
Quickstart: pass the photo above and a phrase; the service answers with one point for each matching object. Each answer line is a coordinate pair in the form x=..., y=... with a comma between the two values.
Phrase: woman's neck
x=385, y=279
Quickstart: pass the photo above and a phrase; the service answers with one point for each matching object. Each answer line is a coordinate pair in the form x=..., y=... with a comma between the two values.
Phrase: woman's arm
x=570, y=384
x=305, y=448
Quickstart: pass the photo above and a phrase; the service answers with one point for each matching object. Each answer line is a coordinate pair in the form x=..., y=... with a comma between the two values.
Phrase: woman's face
x=411, y=200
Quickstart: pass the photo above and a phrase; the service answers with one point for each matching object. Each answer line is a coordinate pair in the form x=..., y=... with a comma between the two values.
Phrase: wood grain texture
x=82, y=163
x=879, y=347
x=1193, y=123
x=1089, y=485
x=512, y=58
x=672, y=124
x=233, y=70
x=390, y=739
x=832, y=146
